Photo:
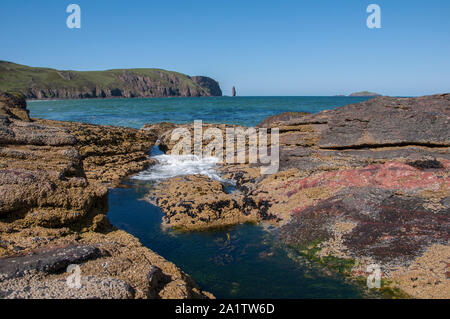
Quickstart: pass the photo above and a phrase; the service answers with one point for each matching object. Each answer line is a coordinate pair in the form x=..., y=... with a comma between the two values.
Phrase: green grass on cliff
x=20, y=78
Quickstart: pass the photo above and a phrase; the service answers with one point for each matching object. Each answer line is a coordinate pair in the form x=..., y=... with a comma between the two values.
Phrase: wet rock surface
x=389, y=228
x=203, y=206
x=54, y=179
x=46, y=260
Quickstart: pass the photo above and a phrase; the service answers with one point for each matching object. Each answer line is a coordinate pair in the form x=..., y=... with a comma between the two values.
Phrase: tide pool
x=244, y=261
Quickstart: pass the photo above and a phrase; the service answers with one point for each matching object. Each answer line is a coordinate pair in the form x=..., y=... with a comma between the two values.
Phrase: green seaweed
x=344, y=266
x=310, y=251
x=386, y=290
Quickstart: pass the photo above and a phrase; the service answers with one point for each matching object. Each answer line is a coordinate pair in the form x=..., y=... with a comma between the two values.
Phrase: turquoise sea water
x=250, y=264
x=137, y=112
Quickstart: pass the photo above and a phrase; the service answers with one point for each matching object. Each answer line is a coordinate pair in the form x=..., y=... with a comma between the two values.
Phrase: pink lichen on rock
x=391, y=175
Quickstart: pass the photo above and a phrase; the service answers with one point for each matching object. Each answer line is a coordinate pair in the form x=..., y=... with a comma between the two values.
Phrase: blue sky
x=320, y=47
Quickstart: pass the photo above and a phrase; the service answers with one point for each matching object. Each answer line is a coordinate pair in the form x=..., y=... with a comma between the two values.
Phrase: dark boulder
x=13, y=105
x=48, y=260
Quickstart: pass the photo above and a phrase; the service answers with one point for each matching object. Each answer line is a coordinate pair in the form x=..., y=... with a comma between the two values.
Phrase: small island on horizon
x=365, y=93
x=360, y=94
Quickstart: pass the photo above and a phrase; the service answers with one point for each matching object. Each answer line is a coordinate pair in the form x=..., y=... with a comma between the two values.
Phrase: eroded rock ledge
x=359, y=185
x=53, y=203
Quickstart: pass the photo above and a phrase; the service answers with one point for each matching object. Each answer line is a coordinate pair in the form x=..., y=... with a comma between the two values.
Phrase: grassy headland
x=46, y=83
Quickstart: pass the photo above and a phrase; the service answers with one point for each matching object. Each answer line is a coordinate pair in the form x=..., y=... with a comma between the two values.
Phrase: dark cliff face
x=209, y=84
x=40, y=83
x=13, y=106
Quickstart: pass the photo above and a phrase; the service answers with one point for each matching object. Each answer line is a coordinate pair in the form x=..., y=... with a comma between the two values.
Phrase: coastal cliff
x=45, y=83
x=54, y=180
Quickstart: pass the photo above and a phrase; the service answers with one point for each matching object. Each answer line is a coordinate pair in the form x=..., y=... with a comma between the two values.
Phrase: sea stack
x=233, y=91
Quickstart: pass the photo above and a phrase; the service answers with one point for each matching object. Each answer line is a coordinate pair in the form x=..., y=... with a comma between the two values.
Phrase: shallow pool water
x=239, y=262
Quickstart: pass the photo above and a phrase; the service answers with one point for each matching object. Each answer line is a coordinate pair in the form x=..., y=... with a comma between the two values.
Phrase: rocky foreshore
x=361, y=185
x=44, y=83
x=54, y=179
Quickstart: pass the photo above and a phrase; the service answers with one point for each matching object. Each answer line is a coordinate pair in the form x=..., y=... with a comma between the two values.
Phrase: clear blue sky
x=320, y=47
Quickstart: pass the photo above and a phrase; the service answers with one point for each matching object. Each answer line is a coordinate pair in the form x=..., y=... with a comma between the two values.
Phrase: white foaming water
x=169, y=166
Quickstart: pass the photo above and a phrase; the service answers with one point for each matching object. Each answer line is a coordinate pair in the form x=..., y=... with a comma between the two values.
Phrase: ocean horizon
x=135, y=112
